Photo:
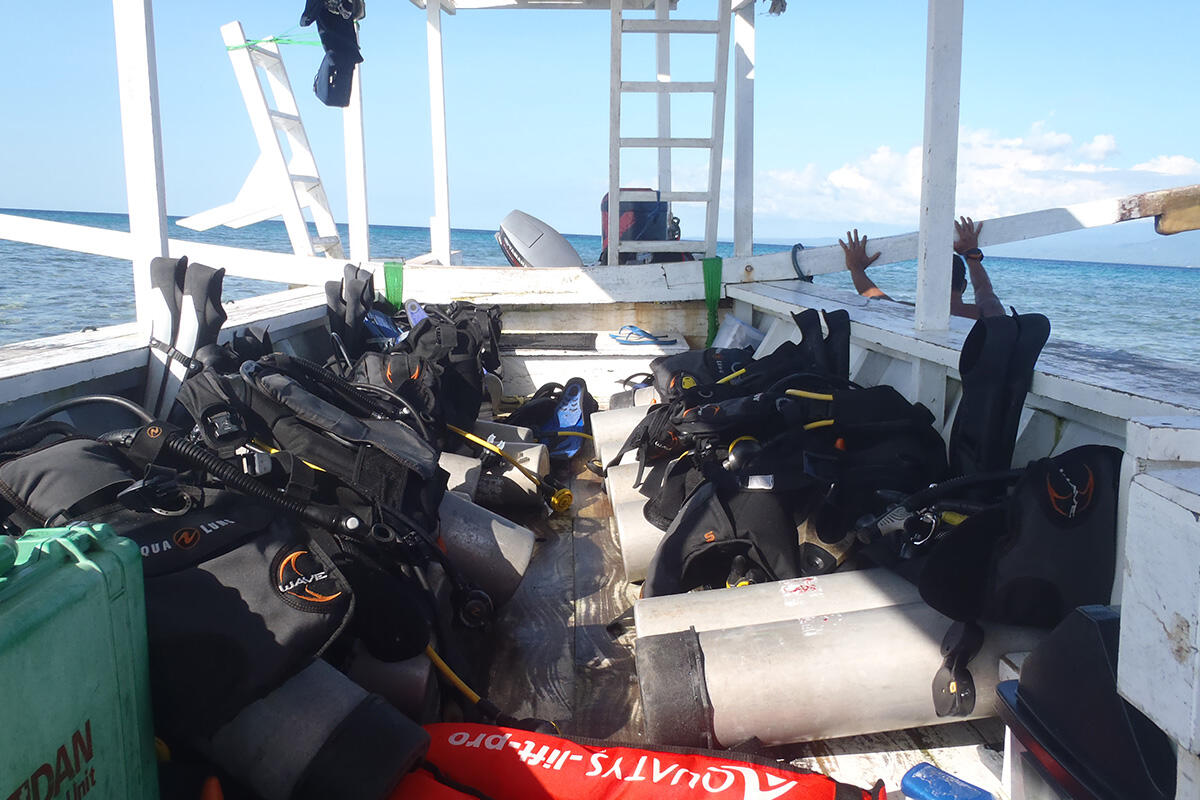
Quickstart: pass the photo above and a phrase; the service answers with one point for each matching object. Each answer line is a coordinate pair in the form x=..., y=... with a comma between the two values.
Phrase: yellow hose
x=559, y=499
x=810, y=395
x=736, y=441
x=450, y=675
x=733, y=375
x=485, y=444
x=274, y=450
x=821, y=423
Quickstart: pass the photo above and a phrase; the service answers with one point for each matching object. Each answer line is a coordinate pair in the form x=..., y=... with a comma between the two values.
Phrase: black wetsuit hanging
x=336, y=26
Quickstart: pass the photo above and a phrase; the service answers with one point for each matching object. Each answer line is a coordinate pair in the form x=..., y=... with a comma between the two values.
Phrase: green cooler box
x=74, y=678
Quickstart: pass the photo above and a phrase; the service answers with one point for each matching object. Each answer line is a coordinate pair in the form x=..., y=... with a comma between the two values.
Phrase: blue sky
x=1062, y=102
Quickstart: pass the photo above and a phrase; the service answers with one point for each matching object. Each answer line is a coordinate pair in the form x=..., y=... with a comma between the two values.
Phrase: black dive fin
x=347, y=303
x=202, y=313
x=166, y=284
x=812, y=346
x=982, y=367
x=838, y=343
x=198, y=319
x=1033, y=331
x=996, y=367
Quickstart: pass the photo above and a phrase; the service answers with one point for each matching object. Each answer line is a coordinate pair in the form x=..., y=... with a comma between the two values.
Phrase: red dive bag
x=512, y=764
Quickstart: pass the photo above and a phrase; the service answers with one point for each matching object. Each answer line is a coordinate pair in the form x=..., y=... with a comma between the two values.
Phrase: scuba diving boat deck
x=553, y=657
x=563, y=649
x=560, y=651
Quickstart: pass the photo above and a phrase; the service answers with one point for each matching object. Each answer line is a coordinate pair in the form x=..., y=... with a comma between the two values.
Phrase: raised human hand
x=966, y=234
x=856, y=251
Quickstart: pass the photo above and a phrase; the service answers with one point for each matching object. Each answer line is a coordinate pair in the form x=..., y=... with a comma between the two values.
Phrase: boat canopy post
x=612, y=234
x=743, y=131
x=662, y=44
x=939, y=169
x=141, y=136
x=356, y=172
x=439, y=223
x=712, y=208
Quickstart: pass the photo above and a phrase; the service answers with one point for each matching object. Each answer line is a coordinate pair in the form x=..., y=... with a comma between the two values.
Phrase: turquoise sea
x=1147, y=310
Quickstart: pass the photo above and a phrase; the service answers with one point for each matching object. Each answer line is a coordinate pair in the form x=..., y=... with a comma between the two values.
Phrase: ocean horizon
x=1140, y=309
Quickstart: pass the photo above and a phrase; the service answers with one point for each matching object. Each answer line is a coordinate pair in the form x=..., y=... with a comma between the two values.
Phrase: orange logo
x=711, y=536
x=1075, y=499
x=154, y=431
x=186, y=538
x=298, y=582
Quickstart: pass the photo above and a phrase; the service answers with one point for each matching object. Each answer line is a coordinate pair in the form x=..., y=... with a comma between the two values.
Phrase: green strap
x=712, y=295
x=393, y=282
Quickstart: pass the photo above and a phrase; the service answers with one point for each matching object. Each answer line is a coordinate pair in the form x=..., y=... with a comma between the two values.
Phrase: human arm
x=857, y=262
x=966, y=244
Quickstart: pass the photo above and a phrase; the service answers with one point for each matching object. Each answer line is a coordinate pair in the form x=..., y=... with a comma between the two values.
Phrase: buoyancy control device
x=239, y=595
x=790, y=471
x=434, y=357
x=715, y=375
x=369, y=460
x=788, y=507
x=1044, y=549
x=337, y=26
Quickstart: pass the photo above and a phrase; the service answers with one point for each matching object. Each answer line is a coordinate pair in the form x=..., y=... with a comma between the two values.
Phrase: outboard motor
x=641, y=221
x=529, y=242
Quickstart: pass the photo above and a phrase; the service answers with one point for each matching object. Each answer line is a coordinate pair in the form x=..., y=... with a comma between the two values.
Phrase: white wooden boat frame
x=1080, y=394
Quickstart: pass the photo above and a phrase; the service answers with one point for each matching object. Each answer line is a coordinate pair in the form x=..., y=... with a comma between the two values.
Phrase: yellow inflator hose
x=559, y=498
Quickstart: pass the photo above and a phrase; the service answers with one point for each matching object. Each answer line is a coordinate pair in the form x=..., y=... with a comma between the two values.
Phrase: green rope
x=712, y=295
x=283, y=38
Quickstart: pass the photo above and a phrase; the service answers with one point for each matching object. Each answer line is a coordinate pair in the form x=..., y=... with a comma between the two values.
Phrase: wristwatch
x=974, y=253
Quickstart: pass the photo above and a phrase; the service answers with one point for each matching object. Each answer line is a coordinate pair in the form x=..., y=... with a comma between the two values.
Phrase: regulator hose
x=342, y=385
x=112, y=399
x=417, y=418
x=355, y=392
x=332, y=519
x=939, y=490
x=894, y=518
x=25, y=436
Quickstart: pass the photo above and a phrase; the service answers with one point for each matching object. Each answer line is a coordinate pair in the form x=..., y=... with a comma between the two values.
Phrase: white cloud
x=1099, y=148
x=1046, y=140
x=997, y=176
x=1170, y=165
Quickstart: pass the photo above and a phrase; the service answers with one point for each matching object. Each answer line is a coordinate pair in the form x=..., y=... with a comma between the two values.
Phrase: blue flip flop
x=632, y=334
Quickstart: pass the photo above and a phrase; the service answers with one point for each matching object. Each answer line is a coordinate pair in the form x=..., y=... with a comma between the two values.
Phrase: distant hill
x=1132, y=242
x=1125, y=243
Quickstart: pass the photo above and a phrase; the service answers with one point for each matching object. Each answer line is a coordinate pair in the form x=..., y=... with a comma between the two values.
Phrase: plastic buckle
x=223, y=427
x=158, y=492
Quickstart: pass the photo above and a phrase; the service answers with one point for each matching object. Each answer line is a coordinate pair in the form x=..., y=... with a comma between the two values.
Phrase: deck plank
x=532, y=660
x=607, y=697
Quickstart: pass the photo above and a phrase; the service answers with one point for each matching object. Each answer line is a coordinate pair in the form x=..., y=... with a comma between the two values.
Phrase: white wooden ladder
x=663, y=26
x=276, y=186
